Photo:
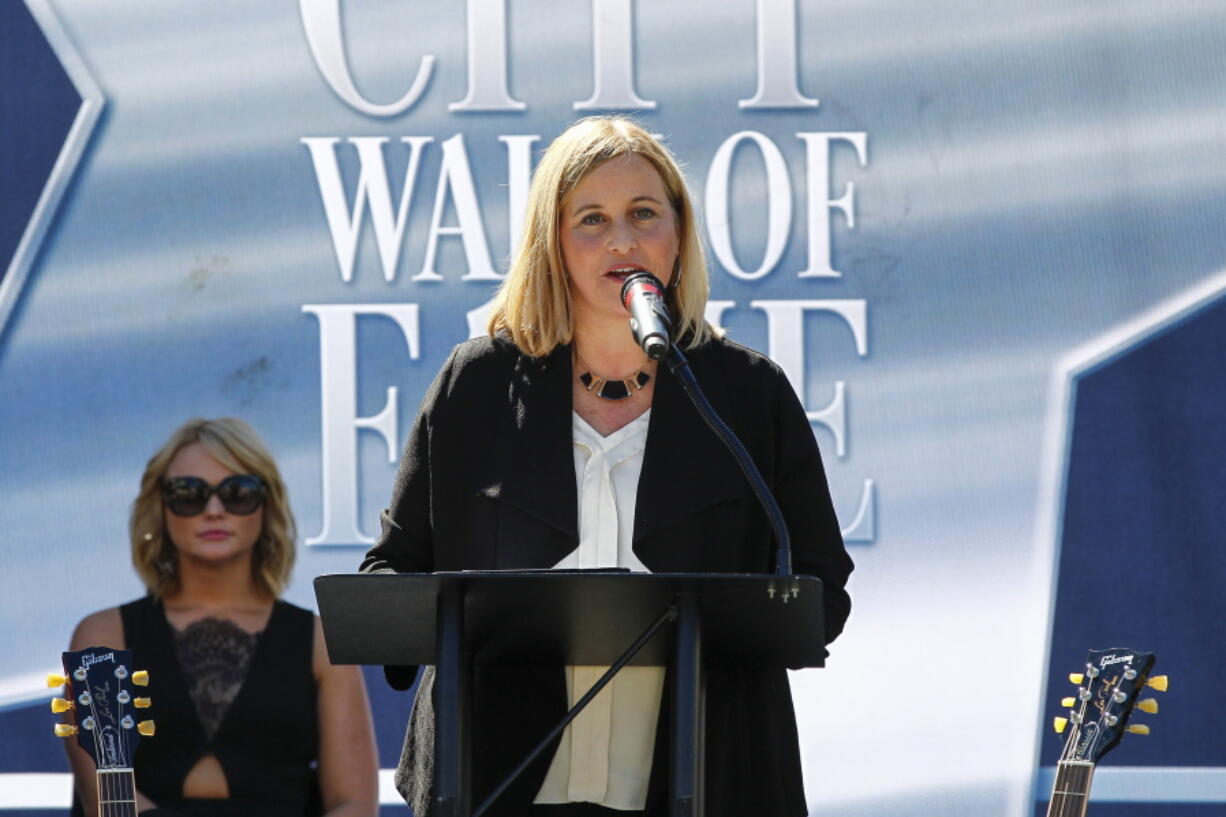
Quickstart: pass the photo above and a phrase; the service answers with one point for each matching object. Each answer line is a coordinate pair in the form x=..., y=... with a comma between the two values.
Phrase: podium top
x=570, y=617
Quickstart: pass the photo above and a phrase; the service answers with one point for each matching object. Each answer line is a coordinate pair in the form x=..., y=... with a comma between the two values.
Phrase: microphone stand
x=680, y=367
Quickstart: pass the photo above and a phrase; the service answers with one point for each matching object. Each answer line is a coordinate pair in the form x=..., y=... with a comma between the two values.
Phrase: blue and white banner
x=985, y=240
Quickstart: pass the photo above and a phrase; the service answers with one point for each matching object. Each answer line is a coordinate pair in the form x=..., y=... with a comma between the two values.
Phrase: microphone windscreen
x=644, y=281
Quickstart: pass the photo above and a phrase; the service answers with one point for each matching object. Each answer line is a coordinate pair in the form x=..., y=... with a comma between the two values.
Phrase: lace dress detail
x=214, y=655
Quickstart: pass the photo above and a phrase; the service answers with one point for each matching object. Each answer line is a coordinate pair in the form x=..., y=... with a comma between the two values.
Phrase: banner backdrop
x=983, y=239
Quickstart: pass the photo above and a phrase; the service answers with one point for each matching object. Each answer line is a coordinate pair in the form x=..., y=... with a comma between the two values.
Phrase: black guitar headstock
x=1108, y=691
x=98, y=684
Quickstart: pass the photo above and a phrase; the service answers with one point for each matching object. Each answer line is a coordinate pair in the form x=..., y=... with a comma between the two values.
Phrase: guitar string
x=1108, y=699
x=1076, y=806
x=93, y=714
x=94, y=735
x=1072, y=805
x=1067, y=808
x=1064, y=804
x=128, y=792
x=1079, y=808
x=124, y=788
x=109, y=785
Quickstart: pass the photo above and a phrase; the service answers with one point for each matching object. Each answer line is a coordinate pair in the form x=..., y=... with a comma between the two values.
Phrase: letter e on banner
x=339, y=414
x=786, y=345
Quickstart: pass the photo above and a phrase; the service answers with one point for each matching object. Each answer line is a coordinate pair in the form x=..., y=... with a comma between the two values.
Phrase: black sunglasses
x=240, y=494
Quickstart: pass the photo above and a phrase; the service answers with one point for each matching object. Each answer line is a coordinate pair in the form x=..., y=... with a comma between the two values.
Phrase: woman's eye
x=591, y=218
x=644, y=213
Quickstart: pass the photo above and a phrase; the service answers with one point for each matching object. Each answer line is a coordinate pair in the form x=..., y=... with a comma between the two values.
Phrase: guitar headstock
x=1108, y=692
x=98, y=684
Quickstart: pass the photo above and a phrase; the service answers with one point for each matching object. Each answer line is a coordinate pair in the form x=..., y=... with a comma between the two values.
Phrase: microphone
x=643, y=296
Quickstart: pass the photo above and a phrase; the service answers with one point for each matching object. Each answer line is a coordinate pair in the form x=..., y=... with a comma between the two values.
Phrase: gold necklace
x=611, y=388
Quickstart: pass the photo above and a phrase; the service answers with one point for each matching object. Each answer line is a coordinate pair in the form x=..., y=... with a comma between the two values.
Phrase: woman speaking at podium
x=555, y=442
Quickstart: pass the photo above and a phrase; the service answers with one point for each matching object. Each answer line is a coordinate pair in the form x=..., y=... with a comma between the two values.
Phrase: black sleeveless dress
x=267, y=742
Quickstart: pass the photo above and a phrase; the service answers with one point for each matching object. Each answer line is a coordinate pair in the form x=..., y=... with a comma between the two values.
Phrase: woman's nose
x=214, y=507
x=621, y=238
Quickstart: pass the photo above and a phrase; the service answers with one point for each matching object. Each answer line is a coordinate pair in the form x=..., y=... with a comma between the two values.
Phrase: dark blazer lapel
x=532, y=465
x=685, y=467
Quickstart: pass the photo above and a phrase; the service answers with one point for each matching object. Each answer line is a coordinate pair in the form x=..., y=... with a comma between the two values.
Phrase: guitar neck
x=116, y=793
x=1071, y=793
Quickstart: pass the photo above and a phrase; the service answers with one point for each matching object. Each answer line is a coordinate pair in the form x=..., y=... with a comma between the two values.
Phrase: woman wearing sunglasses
x=251, y=717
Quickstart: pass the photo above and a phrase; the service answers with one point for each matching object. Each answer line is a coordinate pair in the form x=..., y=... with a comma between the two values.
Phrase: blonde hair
x=235, y=445
x=533, y=304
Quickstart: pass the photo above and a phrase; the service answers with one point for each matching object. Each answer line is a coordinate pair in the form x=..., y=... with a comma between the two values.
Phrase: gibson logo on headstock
x=88, y=660
x=1108, y=660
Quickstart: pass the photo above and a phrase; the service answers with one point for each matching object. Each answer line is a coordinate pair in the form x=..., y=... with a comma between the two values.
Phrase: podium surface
x=569, y=617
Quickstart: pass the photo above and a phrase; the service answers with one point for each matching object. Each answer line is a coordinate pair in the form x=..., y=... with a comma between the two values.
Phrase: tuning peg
x=1076, y=677
x=1137, y=729
x=1149, y=705
x=65, y=730
x=56, y=680
x=59, y=705
x=140, y=678
x=142, y=703
x=1069, y=702
x=146, y=728
x=1059, y=724
x=1158, y=682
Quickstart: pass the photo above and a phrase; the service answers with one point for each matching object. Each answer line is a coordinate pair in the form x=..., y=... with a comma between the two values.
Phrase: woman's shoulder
x=110, y=627
x=290, y=623
x=101, y=629
x=478, y=367
x=479, y=356
x=742, y=360
x=760, y=386
x=485, y=351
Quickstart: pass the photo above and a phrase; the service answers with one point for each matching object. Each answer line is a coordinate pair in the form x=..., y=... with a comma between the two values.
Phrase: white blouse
x=605, y=753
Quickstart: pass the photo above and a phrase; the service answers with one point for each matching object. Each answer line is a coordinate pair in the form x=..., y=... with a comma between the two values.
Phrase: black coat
x=487, y=481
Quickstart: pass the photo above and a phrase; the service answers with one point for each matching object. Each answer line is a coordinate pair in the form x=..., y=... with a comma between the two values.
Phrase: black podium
x=587, y=618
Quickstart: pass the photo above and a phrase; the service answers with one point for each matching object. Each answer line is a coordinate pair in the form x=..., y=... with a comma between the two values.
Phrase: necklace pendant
x=614, y=389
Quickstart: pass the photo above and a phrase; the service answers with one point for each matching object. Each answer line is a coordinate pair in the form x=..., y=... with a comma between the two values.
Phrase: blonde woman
x=555, y=442
x=252, y=718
